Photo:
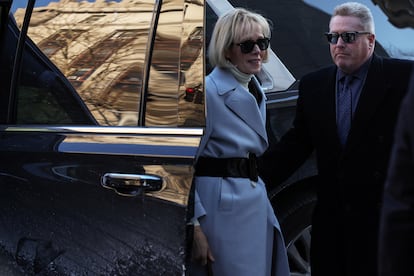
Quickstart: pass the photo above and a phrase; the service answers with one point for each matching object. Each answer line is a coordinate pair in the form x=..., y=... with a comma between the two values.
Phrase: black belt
x=227, y=167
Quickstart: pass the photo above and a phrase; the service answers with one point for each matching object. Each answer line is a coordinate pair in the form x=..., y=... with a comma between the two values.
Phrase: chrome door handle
x=131, y=184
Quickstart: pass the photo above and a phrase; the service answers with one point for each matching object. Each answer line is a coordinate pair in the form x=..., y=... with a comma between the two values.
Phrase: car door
x=97, y=139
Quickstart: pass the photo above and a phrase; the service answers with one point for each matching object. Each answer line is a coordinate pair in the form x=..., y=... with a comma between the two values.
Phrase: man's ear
x=371, y=40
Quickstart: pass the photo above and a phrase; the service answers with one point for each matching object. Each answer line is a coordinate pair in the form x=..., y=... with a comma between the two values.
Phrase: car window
x=101, y=55
x=177, y=66
x=126, y=63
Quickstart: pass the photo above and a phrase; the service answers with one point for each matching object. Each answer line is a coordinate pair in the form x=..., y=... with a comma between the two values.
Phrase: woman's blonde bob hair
x=229, y=29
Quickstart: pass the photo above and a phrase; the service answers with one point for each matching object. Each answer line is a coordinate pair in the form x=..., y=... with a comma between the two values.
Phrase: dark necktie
x=344, y=109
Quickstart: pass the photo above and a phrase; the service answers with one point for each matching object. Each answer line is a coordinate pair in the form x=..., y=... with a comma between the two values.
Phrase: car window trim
x=11, y=110
x=147, y=62
x=5, y=6
x=105, y=130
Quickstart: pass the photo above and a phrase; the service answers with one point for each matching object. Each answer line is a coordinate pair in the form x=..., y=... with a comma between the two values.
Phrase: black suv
x=102, y=111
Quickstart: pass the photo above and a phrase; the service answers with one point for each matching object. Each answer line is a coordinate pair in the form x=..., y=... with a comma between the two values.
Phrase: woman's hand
x=201, y=251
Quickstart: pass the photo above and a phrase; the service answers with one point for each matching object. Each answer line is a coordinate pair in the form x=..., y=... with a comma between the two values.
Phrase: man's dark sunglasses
x=248, y=45
x=347, y=37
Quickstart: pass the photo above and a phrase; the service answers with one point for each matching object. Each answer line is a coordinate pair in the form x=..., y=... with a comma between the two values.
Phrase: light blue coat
x=235, y=213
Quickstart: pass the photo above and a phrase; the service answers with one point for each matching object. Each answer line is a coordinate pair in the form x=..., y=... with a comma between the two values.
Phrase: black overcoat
x=351, y=179
x=397, y=217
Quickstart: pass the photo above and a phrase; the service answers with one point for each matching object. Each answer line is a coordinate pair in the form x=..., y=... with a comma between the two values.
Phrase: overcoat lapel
x=241, y=102
x=328, y=100
x=322, y=96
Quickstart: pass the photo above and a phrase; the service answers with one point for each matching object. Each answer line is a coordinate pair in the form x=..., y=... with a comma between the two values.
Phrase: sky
x=23, y=3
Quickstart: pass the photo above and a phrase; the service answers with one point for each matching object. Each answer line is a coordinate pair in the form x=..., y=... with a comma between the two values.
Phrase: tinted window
x=100, y=53
x=127, y=62
x=177, y=64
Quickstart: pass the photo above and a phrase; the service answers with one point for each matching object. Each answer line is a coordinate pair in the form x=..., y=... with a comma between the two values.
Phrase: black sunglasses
x=248, y=45
x=347, y=37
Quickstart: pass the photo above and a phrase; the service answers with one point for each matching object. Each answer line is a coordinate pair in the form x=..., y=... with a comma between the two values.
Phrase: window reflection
x=58, y=41
x=102, y=49
x=179, y=46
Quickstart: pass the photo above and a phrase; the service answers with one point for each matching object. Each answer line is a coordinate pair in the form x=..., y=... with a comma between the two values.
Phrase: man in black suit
x=352, y=141
x=396, y=242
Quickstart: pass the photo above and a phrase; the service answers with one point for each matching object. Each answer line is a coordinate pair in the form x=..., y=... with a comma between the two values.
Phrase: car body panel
x=57, y=214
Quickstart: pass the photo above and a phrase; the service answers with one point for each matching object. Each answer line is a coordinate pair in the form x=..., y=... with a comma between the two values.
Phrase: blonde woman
x=235, y=229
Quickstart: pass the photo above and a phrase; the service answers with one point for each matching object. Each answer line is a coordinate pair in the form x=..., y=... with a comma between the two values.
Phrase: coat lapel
x=242, y=103
x=322, y=95
x=328, y=101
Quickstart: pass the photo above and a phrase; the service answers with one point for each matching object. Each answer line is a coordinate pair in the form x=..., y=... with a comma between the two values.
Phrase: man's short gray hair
x=357, y=10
